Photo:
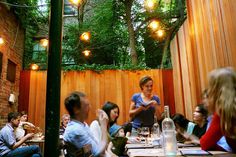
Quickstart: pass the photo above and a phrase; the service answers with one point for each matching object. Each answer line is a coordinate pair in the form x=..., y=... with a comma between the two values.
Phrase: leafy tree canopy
x=119, y=32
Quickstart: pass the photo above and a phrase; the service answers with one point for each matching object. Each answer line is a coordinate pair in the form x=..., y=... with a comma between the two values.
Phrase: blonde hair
x=222, y=98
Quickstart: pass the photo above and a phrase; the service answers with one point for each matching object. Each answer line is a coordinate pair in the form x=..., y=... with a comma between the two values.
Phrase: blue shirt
x=79, y=135
x=190, y=128
x=7, y=139
x=144, y=118
x=222, y=142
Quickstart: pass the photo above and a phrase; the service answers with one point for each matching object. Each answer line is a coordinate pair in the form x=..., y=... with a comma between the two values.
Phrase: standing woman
x=112, y=111
x=222, y=103
x=143, y=106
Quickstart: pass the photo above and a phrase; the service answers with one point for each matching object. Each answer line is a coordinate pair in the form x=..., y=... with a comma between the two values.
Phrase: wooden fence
x=207, y=40
x=111, y=85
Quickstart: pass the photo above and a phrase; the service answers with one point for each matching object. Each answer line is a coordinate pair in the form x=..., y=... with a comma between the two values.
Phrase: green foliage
x=98, y=68
x=30, y=17
x=109, y=44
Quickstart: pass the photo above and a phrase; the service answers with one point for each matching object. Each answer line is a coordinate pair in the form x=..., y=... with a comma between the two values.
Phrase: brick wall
x=13, y=48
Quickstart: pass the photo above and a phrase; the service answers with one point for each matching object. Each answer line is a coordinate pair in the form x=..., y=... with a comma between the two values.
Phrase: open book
x=147, y=103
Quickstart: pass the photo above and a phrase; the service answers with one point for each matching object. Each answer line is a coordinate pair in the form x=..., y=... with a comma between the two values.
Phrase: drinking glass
x=145, y=133
x=156, y=135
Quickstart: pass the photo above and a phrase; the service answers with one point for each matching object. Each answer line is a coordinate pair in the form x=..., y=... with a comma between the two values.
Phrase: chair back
x=71, y=150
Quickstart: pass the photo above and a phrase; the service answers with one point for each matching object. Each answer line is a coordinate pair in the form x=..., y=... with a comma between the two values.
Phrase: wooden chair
x=70, y=150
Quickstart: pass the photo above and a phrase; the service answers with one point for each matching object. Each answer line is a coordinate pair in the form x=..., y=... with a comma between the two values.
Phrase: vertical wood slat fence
x=206, y=40
x=110, y=85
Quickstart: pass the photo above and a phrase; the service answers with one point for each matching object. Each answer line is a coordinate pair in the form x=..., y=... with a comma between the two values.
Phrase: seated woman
x=20, y=130
x=182, y=125
x=221, y=102
x=200, y=119
x=112, y=111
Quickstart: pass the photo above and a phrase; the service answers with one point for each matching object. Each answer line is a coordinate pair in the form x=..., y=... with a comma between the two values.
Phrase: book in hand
x=147, y=103
x=195, y=153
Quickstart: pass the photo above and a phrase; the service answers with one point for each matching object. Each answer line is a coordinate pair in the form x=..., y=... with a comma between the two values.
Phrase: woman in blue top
x=144, y=105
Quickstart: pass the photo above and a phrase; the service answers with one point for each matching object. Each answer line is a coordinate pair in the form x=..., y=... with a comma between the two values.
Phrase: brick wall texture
x=13, y=48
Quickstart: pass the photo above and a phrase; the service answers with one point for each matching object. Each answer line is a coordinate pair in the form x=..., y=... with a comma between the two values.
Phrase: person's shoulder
x=191, y=123
x=73, y=128
x=136, y=95
x=74, y=125
x=156, y=98
x=94, y=123
x=6, y=128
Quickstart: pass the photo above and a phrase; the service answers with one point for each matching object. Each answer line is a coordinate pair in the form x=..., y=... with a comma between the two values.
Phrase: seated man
x=9, y=147
x=77, y=133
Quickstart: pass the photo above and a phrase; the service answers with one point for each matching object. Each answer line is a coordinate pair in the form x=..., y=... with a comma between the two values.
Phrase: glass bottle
x=168, y=132
x=156, y=132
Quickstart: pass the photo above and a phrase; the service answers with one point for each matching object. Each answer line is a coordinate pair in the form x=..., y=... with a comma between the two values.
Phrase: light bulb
x=86, y=53
x=154, y=25
x=34, y=67
x=160, y=33
x=44, y=42
x=1, y=41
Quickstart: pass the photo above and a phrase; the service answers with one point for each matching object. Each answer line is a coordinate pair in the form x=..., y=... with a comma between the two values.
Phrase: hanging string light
x=150, y=5
x=86, y=53
x=154, y=25
x=34, y=67
x=1, y=41
x=160, y=33
x=44, y=42
x=85, y=36
x=76, y=2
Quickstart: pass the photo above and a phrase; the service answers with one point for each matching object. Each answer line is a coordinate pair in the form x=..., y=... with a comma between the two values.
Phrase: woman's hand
x=153, y=102
x=102, y=118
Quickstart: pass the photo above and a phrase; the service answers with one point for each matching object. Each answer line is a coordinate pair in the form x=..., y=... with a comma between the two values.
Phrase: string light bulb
x=76, y=2
x=150, y=4
x=86, y=53
x=154, y=25
x=34, y=67
x=160, y=33
x=1, y=41
x=85, y=36
x=44, y=42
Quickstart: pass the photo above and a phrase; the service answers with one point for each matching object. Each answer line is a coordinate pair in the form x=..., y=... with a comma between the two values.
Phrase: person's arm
x=109, y=152
x=22, y=140
x=134, y=111
x=28, y=123
x=190, y=138
x=103, y=120
x=212, y=135
x=96, y=130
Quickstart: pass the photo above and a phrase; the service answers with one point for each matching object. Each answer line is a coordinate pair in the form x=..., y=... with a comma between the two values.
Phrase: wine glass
x=145, y=133
x=156, y=134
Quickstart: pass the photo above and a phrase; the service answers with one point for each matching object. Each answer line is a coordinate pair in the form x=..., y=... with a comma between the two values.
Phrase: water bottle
x=168, y=132
x=156, y=132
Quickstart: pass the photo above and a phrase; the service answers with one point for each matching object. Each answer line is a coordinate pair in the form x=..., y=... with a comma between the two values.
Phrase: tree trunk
x=128, y=5
x=81, y=12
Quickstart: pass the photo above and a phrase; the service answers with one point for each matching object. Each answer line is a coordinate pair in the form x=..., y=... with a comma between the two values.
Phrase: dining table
x=138, y=149
x=37, y=141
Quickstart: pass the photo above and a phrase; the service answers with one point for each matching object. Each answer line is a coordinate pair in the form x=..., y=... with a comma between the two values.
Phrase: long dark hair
x=181, y=121
x=107, y=107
